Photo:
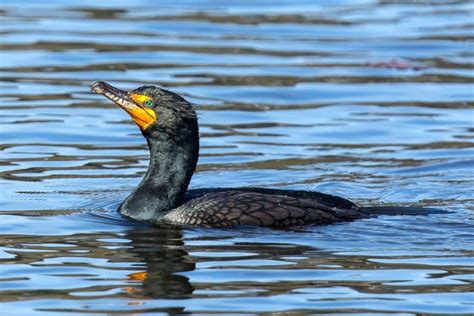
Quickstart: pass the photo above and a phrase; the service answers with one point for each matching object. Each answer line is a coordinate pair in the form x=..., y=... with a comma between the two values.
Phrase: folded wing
x=232, y=208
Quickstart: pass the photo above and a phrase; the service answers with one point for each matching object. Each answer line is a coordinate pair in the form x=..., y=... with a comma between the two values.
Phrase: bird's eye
x=148, y=103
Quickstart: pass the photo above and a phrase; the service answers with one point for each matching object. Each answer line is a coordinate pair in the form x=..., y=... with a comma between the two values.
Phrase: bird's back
x=260, y=207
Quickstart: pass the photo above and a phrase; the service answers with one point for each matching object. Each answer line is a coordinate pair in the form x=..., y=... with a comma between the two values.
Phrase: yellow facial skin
x=132, y=103
x=139, y=98
x=141, y=115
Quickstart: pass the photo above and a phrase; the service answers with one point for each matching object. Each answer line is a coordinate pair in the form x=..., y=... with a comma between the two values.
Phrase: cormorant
x=169, y=124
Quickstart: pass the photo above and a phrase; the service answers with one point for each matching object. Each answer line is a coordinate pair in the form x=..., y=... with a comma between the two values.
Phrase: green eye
x=148, y=103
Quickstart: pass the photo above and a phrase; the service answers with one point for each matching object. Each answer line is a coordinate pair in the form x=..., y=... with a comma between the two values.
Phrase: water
x=370, y=100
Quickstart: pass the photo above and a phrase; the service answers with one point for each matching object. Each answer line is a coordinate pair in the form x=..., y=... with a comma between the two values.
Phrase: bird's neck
x=172, y=163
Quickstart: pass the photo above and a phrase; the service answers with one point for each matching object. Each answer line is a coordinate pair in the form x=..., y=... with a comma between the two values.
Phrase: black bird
x=169, y=125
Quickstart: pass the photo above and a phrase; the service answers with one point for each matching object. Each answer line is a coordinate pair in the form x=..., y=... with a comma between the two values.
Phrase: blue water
x=369, y=100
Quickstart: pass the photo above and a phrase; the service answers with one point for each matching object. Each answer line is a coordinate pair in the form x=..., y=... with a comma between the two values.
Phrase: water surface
x=369, y=100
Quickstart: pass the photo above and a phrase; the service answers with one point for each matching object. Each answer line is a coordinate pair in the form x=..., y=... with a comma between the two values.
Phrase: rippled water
x=370, y=100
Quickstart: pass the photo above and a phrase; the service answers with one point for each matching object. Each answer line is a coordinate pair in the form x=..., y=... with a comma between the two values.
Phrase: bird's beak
x=142, y=116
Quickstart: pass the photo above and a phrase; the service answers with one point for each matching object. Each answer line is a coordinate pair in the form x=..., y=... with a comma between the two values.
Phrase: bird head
x=153, y=109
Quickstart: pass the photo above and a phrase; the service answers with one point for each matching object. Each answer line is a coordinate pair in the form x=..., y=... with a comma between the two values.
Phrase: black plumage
x=172, y=134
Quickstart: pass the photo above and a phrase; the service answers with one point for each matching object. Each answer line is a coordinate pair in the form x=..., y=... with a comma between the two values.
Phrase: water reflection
x=163, y=255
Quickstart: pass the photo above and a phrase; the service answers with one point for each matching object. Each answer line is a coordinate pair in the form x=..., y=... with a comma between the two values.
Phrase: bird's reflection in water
x=162, y=252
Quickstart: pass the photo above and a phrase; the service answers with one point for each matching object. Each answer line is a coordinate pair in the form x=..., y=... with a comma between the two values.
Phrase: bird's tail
x=401, y=210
